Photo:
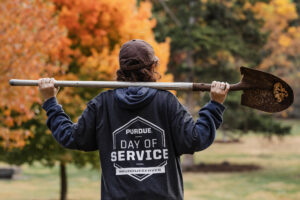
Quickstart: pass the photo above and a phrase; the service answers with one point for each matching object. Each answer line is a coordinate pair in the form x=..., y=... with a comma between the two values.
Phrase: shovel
x=261, y=90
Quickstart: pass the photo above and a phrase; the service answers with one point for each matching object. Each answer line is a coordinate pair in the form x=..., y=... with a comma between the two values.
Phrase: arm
x=189, y=136
x=80, y=135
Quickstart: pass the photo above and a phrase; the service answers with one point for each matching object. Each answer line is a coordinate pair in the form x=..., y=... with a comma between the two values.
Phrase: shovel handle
x=233, y=87
x=120, y=84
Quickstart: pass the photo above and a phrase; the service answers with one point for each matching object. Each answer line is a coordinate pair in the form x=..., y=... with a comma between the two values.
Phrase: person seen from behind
x=140, y=132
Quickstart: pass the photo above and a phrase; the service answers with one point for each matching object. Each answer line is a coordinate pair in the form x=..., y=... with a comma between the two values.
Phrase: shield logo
x=139, y=149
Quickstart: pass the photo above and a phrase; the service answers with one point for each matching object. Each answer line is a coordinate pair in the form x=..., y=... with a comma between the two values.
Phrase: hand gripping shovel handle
x=233, y=87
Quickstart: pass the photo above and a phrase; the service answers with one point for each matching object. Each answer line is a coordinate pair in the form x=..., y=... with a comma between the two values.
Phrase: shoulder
x=166, y=94
x=167, y=97
x=101, y=98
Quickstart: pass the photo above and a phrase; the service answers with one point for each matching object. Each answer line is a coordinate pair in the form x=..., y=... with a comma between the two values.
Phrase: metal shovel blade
x=266, y=92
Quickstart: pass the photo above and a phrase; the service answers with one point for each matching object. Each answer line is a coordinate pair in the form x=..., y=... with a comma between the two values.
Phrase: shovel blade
x=269, y=93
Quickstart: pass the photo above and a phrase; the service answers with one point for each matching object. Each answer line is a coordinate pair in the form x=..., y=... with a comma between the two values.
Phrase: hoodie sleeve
x=80, y=135
x=189, y=136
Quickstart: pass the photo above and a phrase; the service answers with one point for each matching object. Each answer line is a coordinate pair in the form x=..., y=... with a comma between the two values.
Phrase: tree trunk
x=63, y=181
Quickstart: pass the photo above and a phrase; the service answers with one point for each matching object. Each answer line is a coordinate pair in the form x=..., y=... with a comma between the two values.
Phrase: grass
x=40, y=183
x=278, y=180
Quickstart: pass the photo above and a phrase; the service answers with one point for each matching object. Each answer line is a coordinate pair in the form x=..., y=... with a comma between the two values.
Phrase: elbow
x=65, y=139
x=206, y=144
x=205, y=139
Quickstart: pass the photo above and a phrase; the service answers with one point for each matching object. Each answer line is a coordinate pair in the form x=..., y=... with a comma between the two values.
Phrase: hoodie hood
x=134, y=97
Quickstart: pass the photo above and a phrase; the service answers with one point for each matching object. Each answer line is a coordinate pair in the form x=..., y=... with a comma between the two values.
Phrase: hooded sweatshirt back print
x=140, y=134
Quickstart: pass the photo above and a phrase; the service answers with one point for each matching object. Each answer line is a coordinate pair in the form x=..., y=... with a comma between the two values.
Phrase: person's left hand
x=47, y=88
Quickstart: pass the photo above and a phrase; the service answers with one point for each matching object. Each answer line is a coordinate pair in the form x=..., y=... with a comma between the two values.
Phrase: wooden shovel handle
x=233, y=87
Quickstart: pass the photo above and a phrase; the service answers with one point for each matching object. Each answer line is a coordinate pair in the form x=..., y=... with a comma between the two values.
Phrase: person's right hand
x=218, y=91
x=46, y=87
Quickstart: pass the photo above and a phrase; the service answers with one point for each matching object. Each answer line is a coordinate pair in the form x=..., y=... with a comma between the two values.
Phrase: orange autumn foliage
x=98, y=28
x=283, y=41
x=30, y=41
x=35, y=46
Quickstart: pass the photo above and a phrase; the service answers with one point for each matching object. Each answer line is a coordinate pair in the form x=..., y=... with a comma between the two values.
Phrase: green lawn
x=278, y=180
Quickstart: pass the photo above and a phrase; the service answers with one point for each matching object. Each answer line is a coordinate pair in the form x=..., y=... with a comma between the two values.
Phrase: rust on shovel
x=271, y=94
x=261, y=90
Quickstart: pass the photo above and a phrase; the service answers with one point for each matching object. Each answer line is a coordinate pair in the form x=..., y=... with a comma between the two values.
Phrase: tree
x=95, y=32
x=281, y=51
x=33, y=45
x=28, y=35
x=210, y=41
x=283, y=39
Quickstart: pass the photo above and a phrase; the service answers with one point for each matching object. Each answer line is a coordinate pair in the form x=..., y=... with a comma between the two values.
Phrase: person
x=140, y=132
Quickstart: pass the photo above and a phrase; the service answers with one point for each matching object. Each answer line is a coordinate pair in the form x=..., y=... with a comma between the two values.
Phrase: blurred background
x=255, y=156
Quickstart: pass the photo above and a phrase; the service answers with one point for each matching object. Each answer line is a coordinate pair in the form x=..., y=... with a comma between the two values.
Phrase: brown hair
x=145, y=74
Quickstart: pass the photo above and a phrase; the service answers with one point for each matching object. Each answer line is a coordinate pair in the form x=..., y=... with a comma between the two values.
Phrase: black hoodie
x=140, y=134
